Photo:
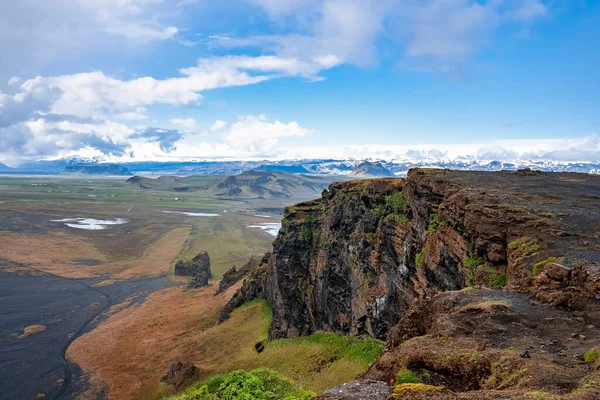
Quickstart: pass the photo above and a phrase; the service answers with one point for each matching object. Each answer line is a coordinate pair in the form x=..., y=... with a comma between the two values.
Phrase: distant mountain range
x=250, y=184
x=368, y=169
x=316, y=166
x=97, y=169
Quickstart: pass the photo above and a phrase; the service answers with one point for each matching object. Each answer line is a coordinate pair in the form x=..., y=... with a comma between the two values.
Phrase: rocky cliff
x=355, y=260
x=198, y=268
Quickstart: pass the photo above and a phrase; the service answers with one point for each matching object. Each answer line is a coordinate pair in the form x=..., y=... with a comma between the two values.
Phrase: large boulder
x=198, y=268
x=179, y=375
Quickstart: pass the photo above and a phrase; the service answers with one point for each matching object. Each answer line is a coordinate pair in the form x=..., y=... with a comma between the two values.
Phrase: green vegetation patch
x=379, y=211
x=358, y=348
x=472, y=262
x=408, y=390
x=258, y=384
x=407, y=376
x=434, y=224
x=539, y=267
x=523, y=247
x=317, y=362
x=591, y=355
x=419, y=258
x=401, y=218
x=497, y=281
x=397, y=202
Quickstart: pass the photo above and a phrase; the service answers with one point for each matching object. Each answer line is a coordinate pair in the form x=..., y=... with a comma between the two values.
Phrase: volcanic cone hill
x=368, y=169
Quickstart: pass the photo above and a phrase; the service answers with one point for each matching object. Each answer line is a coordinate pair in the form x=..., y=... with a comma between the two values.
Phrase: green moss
x=472, y=262
x=470, y=282
x=517, y=243
x=397, y=202
x=398, y=217
x=408, y=390
x=379, y=211
x=443, y=337
x=539, y=267
x=497, y=281
x=307, y=232
x=434, y=225
x=523, y=247
x=419, y=258
x=591, y=355
x=531, y=249
x=444, y=223
x=406, y=376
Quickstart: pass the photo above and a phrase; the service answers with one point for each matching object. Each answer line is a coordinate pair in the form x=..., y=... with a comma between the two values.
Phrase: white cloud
x=186, y=123
x=256, y=135
x=96, y=94
x=218, y=125
x=33, y=32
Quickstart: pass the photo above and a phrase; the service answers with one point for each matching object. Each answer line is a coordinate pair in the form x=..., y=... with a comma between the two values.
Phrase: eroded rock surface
x=180, y=374
x=198, y=268
x=358, y=390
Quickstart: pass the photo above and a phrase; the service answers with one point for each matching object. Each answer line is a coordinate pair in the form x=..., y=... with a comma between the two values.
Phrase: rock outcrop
x=234, y=274
x=357, y=259
x=198, y=268
x=179, y=375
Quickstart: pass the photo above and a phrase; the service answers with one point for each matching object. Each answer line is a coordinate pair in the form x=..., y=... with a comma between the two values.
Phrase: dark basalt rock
x=198, y=268
x=355, y=260
x=180, y=374
x=233, y=275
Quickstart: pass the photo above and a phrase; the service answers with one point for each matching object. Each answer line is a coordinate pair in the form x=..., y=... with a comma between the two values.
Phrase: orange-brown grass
x=57, y=253
x=54, y=253
x=133, y=349
x=158, y=258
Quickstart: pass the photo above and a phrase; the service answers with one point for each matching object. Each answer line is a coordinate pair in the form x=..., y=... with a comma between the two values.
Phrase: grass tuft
x=539, y=267
x=406, y=376
x=591, y=355
x=419, y=258
x=472, y=262
x=497, y=281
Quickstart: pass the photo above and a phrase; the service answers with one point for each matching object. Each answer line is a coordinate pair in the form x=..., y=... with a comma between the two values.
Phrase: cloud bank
x=95, y=114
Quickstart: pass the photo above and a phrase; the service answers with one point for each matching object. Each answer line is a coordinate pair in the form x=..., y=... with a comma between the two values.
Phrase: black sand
x=67, y=308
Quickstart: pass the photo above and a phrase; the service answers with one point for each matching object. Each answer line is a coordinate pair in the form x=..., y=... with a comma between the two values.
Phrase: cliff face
x=356, y=259
x=198, y=268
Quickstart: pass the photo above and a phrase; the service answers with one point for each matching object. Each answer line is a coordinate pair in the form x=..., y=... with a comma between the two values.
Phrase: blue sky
x=124, y=80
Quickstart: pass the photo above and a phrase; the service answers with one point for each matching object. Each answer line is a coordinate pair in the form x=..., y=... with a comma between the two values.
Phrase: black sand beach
x=32, y=365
